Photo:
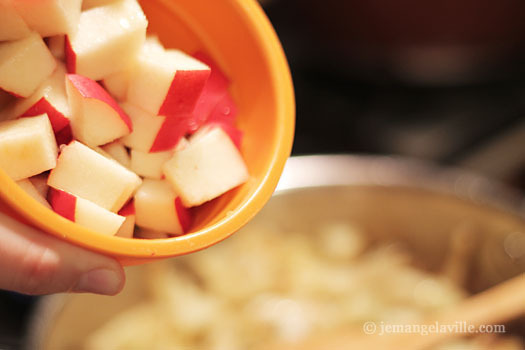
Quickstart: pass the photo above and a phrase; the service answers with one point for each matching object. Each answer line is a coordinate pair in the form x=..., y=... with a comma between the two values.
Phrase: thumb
x=32, y=262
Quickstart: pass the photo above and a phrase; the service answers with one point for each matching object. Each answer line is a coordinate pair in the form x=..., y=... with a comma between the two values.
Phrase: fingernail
x=99, y=281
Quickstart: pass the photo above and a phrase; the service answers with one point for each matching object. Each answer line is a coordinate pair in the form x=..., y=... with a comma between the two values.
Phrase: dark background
x=442, y=81
x=438, y=80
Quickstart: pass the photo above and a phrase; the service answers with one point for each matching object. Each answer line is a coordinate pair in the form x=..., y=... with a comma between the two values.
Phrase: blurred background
x=438, y=80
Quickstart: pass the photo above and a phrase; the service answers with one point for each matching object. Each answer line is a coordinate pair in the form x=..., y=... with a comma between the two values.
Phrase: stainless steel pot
x=391, y=199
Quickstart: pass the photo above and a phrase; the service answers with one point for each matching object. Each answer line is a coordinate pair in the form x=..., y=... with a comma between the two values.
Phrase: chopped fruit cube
x=153, y=133
x=170, y=134
x=63, y=203
x=85, y=173
x=100, y=150
x=30, y=189
x=118, y=152
x=207, y=167
x=152, y=43
x=146, y=127
x=5, y=100
x=50, y=17
x=24, y=65
x=158, y=208
x=117, y=83
x=56, y=45
x=209, y=109
x=40, y=183
x=150, y=234
x=215, y=92
x=27, y=146
x=64, y=136
x=225, y=111
x=50, y=98
x=128, y=227
x=218, y=81
x=85, y=213
x=119, y=168
x=149, y=164
x=128, y=209
x=234, y=133
x=12, y=26
x=216, y=106
x=96, y=118
x=167, y=82
x=88, y=4
x=108, y=39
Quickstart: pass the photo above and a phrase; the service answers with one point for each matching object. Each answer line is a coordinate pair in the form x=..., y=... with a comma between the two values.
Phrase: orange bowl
x=239, y=37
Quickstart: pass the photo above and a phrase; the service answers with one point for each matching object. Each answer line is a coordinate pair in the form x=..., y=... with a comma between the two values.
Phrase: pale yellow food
x=267, y=285
x=27, y=147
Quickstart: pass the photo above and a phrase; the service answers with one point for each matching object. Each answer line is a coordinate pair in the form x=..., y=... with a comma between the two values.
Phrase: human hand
x=32, y=262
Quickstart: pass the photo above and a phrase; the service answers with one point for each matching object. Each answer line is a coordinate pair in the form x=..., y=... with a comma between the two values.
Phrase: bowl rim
x=135, y=251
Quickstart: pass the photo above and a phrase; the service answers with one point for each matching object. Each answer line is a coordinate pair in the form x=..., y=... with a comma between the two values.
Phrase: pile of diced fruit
x=104, y=125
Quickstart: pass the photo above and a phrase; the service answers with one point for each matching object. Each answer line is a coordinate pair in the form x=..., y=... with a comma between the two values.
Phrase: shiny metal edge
x=392, y=171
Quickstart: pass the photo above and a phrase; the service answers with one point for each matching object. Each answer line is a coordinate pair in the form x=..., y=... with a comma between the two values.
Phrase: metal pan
x=392, y=199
